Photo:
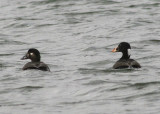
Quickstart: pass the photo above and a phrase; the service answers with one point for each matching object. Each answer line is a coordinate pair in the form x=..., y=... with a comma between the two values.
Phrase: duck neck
x=125, y=55
x=35, y=60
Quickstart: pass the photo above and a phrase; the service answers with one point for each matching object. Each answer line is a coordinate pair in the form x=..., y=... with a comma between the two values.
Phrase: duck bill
x=24, y=57
x=114, y=50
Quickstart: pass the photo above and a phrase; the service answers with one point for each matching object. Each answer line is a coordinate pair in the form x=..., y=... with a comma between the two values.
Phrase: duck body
x=130, y=63
x=34, y=55
x=125, y=61
x=36, y=65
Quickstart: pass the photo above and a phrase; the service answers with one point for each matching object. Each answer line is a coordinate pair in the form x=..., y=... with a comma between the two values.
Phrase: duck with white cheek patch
x=125, y=61
x=34, y=55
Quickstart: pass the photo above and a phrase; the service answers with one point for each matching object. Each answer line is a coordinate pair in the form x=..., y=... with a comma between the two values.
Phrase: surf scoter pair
x=123, y=62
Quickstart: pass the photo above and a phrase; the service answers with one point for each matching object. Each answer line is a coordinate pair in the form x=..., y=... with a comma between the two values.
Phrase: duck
x=34, y=55
x=125, y=61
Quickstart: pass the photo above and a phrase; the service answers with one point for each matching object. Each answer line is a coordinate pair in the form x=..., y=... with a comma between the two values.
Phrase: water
x=75, y=39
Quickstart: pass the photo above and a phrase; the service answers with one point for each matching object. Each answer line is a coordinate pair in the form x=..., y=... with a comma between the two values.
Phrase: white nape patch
x=129, y=52
x=31, y=53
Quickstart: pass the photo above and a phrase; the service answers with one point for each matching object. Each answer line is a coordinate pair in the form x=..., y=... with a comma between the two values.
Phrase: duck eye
x=117, y=48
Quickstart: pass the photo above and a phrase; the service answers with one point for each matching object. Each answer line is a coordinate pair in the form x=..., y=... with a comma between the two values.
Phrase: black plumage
x=125, y=61
x=34, y=55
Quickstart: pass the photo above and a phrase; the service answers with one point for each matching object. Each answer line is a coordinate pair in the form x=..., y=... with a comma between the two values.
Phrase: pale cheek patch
x=129, y=52
x=31, y=54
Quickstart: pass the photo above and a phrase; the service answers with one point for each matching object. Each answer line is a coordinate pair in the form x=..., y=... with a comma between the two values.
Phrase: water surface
x=75, y=39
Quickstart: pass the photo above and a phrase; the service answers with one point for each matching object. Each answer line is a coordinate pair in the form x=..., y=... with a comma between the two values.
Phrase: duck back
x=36, y=65
x=130, y=63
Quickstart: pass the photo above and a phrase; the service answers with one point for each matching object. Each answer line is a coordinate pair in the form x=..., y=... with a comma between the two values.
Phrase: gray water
x=75, y=38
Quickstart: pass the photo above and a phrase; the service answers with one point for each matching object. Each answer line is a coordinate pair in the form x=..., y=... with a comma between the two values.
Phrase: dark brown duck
x=34, y=55
x=125, y=61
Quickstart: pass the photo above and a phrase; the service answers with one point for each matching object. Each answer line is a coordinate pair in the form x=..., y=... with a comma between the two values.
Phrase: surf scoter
x=125, y=61
x=35, y=63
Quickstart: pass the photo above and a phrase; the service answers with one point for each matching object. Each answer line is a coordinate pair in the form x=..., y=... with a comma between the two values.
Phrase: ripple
x=9, y=42
x=95, y=82
x=145, y=5
x=145, y=84
x=41, y=2
x=29, y=88
x=74, y=102
x=142, y=95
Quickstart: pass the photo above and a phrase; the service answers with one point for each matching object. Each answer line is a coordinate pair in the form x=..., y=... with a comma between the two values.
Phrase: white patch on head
x=129, y=52
x=31, y=53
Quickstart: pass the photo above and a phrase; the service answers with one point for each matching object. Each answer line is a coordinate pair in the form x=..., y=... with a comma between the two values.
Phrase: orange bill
x=114, y=50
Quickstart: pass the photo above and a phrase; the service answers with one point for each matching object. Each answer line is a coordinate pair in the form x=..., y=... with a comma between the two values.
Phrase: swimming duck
x=125, y=61
x=35, y=63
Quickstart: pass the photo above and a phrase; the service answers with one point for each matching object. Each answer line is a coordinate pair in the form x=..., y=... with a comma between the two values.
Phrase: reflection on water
x=75, y=39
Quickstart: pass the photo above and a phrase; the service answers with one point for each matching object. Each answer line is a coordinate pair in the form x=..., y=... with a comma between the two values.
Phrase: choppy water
x=75, y=39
